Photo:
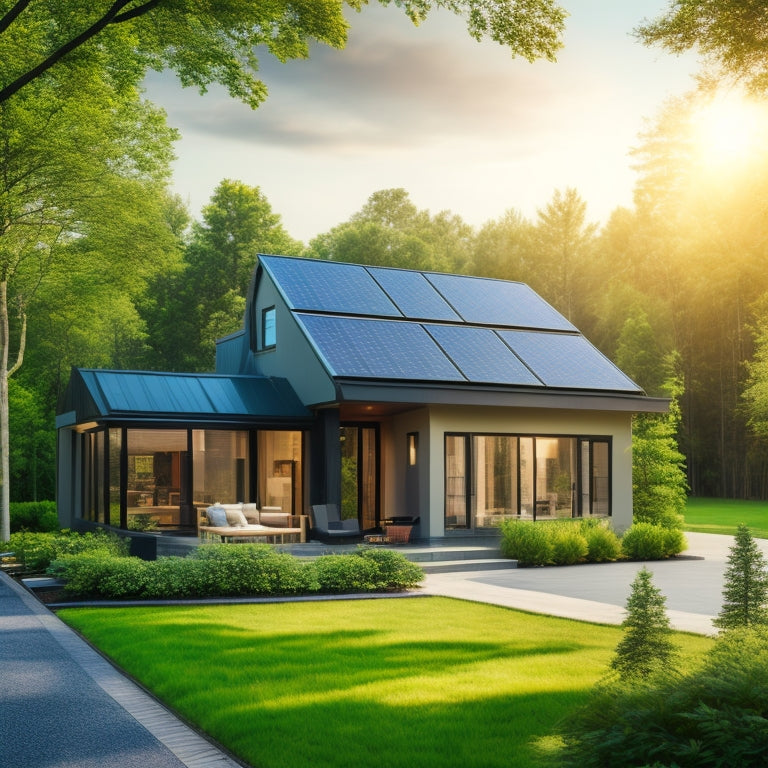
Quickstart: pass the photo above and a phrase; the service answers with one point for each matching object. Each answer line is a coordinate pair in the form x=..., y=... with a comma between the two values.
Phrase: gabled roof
x=395, y=325
x=98, y=395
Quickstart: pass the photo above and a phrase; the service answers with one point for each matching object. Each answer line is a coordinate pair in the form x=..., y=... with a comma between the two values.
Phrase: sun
x=728, y=129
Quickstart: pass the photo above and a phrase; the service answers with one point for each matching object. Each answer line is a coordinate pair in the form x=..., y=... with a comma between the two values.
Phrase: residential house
x=452, y=400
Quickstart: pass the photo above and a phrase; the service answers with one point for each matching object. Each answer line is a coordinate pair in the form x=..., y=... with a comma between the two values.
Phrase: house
x=454, y=400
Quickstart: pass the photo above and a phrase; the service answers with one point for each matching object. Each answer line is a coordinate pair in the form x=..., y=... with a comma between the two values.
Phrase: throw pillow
x=217, y=517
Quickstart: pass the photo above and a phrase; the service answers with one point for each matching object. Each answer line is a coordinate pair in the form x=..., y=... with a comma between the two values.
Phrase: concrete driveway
x=691, y=583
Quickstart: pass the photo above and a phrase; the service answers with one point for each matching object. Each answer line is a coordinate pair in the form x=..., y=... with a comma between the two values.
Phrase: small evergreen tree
x=745, y=592
x=646, y=647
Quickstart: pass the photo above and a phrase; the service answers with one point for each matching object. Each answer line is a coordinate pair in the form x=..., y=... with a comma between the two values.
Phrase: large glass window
x=280, y=470
x=495, y=479
x=94, y=477
x=219, y=466
x=535, y=477
x=456, y=497
x=155, y=460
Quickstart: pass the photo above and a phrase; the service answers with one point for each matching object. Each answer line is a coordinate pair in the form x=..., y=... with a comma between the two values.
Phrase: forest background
x=674, y=287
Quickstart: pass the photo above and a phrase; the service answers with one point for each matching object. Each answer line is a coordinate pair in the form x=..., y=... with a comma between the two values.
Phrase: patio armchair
x=327, y=523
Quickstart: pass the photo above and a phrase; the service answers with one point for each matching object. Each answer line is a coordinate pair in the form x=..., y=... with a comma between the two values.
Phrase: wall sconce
x=413, y=448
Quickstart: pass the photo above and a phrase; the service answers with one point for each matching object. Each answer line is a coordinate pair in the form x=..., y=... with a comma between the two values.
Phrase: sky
x=461, y=125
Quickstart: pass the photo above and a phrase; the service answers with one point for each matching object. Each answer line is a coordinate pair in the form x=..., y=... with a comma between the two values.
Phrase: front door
x=360, y=474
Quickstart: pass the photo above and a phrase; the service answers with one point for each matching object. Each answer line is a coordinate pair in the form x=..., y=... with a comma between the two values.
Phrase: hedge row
x=585, y=541
x=36, y=551
x=223, y=570
x=36, y=516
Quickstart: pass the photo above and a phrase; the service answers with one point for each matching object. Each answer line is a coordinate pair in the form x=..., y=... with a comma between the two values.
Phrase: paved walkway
x=64, y=705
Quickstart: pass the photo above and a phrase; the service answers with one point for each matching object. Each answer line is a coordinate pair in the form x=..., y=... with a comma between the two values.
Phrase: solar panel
x=380, y=349
x=481, y=355
x=329, y=286
x=413, y=294
x=498, y=302
x=565, y=360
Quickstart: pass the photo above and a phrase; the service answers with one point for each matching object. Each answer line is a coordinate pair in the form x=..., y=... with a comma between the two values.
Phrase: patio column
x=325, y=459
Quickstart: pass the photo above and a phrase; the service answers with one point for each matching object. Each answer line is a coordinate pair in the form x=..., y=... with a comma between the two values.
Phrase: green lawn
x=723, y=515
x=401, y=683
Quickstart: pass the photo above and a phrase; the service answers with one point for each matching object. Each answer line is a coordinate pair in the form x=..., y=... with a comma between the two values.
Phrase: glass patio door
x=360, y=474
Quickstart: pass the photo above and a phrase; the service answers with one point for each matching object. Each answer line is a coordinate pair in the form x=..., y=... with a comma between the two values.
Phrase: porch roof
x=101, y=395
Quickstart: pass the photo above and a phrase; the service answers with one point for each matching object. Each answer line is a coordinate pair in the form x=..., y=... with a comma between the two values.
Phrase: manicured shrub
x=252, y=569
x=527, y=542
x=101, y=575
x=346, y=573
x=602, y=542
x=569, y=546
x=225, y=570
x=674, y=542
x=645, y=541
x=36, y=551
x=35, y=516
x=395, y=572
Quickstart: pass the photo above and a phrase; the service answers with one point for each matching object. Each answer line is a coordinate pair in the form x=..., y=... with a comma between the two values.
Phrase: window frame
x=266, y=314
x=471, y=471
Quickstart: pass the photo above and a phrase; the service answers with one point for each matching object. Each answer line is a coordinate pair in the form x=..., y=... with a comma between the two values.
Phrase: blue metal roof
x=110, y=394
x=384, y=324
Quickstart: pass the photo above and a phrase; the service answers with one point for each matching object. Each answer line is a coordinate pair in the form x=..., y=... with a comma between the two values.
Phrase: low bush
x=527, y=542
x=100, y=574
x=602, y=542
x=34, y=516
x=569, y=546
x=345, y=573
x=36, y=551
x=645, y=541
x=224, y=570
x=564, y=542
x=394, y=572
x=714, y=716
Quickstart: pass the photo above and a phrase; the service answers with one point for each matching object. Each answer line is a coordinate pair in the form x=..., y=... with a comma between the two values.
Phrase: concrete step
x=437, y=553
x=463, y=566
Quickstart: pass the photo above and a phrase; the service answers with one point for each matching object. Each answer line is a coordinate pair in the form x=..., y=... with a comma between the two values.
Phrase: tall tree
x=390, y=231
x=563, y=240
x=72, y=174
x=745, y=592
x=755, y=393
x=205, y=299
x=216, y=42
x=503, y=248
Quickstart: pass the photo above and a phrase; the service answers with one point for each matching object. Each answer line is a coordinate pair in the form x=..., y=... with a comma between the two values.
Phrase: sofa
x=247, y=522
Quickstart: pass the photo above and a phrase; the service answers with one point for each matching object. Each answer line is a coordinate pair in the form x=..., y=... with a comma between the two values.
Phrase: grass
x=402, y=683
x=724, y=515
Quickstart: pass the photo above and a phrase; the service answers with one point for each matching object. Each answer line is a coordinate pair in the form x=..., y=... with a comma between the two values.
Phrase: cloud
x=392, y=87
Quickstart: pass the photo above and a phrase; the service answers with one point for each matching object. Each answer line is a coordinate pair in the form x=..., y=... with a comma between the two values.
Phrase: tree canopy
x=732, y=35
x=207, y=43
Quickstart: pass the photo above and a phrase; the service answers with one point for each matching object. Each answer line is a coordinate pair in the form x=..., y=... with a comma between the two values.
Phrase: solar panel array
x=382, y=323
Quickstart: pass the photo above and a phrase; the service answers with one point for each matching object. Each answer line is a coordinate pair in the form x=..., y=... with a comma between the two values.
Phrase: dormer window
x=268, y=329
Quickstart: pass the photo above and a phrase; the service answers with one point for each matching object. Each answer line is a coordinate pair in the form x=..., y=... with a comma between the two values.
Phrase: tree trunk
x=5, y=495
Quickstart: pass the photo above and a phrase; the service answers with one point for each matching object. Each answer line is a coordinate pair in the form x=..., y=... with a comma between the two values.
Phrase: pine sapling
x=745, y=591
x=646, y=648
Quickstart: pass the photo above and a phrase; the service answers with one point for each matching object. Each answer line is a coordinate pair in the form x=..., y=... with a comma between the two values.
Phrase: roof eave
x=431, y=393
